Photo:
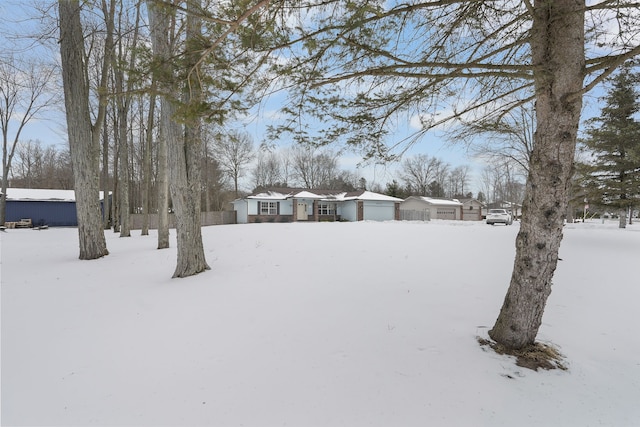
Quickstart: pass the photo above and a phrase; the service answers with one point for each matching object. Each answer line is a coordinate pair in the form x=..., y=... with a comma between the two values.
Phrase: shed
x=55, y=208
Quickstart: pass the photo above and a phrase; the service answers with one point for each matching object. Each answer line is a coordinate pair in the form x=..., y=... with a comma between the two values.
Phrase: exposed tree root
x=537, y=355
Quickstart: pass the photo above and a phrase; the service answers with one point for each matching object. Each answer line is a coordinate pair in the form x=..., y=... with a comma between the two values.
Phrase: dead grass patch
x=534, y=357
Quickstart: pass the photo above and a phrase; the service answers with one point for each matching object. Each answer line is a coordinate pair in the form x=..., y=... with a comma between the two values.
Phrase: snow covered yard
x=320, y=324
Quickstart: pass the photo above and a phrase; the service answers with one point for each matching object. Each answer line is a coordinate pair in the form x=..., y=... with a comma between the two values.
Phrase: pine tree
x=612, y=176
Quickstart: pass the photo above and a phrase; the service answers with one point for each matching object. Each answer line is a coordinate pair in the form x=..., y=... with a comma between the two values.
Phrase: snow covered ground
x=321, y=324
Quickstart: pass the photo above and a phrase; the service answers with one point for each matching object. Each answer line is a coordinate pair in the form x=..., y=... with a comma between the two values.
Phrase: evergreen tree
x=612, y=175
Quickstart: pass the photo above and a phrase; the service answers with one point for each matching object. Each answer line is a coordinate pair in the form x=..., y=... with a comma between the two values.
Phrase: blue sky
x=51, y=130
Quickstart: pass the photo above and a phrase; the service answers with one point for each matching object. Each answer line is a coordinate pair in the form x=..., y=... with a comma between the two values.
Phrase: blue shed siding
x=51, y=213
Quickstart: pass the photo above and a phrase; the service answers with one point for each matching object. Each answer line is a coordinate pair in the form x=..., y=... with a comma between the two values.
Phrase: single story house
x=300, y=204
x=427, y=208
x=55, y=208
x=472, y=209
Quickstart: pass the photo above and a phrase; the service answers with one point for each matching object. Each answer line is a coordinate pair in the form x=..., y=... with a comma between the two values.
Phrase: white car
x=499, y=216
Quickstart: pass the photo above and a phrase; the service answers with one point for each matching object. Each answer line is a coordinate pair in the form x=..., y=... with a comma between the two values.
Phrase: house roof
x=37, y=194
x=40, y=194
x=370, y=196
x=325, y=195
x=435, y=201
x=465, y=200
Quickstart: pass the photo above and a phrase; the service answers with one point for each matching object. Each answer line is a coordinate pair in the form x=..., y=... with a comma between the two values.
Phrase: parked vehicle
x=499, y=216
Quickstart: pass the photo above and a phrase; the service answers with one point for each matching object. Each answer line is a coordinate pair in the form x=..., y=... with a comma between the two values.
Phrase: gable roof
x=324, y=195
x=466, y=200
x=370, y=196
x=435, y=201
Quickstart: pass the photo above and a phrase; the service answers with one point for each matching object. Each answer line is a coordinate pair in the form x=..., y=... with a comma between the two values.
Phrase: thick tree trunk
x=185, y=187
x=85, y=150
x=557, y=44
x=185, y=157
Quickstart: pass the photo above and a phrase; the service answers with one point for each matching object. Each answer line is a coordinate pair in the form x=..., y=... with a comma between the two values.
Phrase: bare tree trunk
x=123, y=170
x=83, y=136
x=106, y=203
x=557, y=44
x=160, y=25
x=115, y=197
x=185, y=156
x=163, y=184
x=123, y=102
x=622, y=223
x=146, y=164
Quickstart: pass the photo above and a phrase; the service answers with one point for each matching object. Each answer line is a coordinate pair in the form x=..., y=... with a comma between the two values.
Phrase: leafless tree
x=233, y=151
x=458, y=181
x=313, y=168
x=41, y=166
x=124, y=60
x=420, y=171
x=25, y=93
x=267, y=171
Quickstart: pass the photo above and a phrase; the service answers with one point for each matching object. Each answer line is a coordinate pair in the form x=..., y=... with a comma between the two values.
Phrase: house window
x=268, y=208
x=326, y=209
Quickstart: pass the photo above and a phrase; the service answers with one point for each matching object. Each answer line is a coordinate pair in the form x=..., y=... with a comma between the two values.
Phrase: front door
x=301, y=212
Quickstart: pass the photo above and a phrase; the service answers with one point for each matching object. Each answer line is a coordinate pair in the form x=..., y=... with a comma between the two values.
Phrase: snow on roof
x=370, y=195
x=434, y=201
x=325, y=195
x=270, y=195
x=308, y=195
x=40, y=194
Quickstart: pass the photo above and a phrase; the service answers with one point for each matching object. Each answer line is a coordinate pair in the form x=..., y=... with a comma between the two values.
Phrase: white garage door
x=446, y=213
x=378, y=211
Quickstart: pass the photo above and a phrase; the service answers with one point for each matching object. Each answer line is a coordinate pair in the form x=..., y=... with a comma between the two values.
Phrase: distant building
x=55, y=208
x=472, y=209
x=311, y=205
x=431, y=208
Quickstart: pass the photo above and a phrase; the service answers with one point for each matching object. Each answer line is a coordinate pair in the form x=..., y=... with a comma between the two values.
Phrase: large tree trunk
x=557, y=45
x=84, y=145
x=185, y=157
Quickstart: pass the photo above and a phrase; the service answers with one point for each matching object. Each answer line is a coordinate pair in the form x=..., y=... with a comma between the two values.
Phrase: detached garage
x=433, y=208
x=55, y=208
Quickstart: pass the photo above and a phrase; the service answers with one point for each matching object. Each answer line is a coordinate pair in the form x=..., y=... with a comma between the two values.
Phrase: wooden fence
x=206, y=218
